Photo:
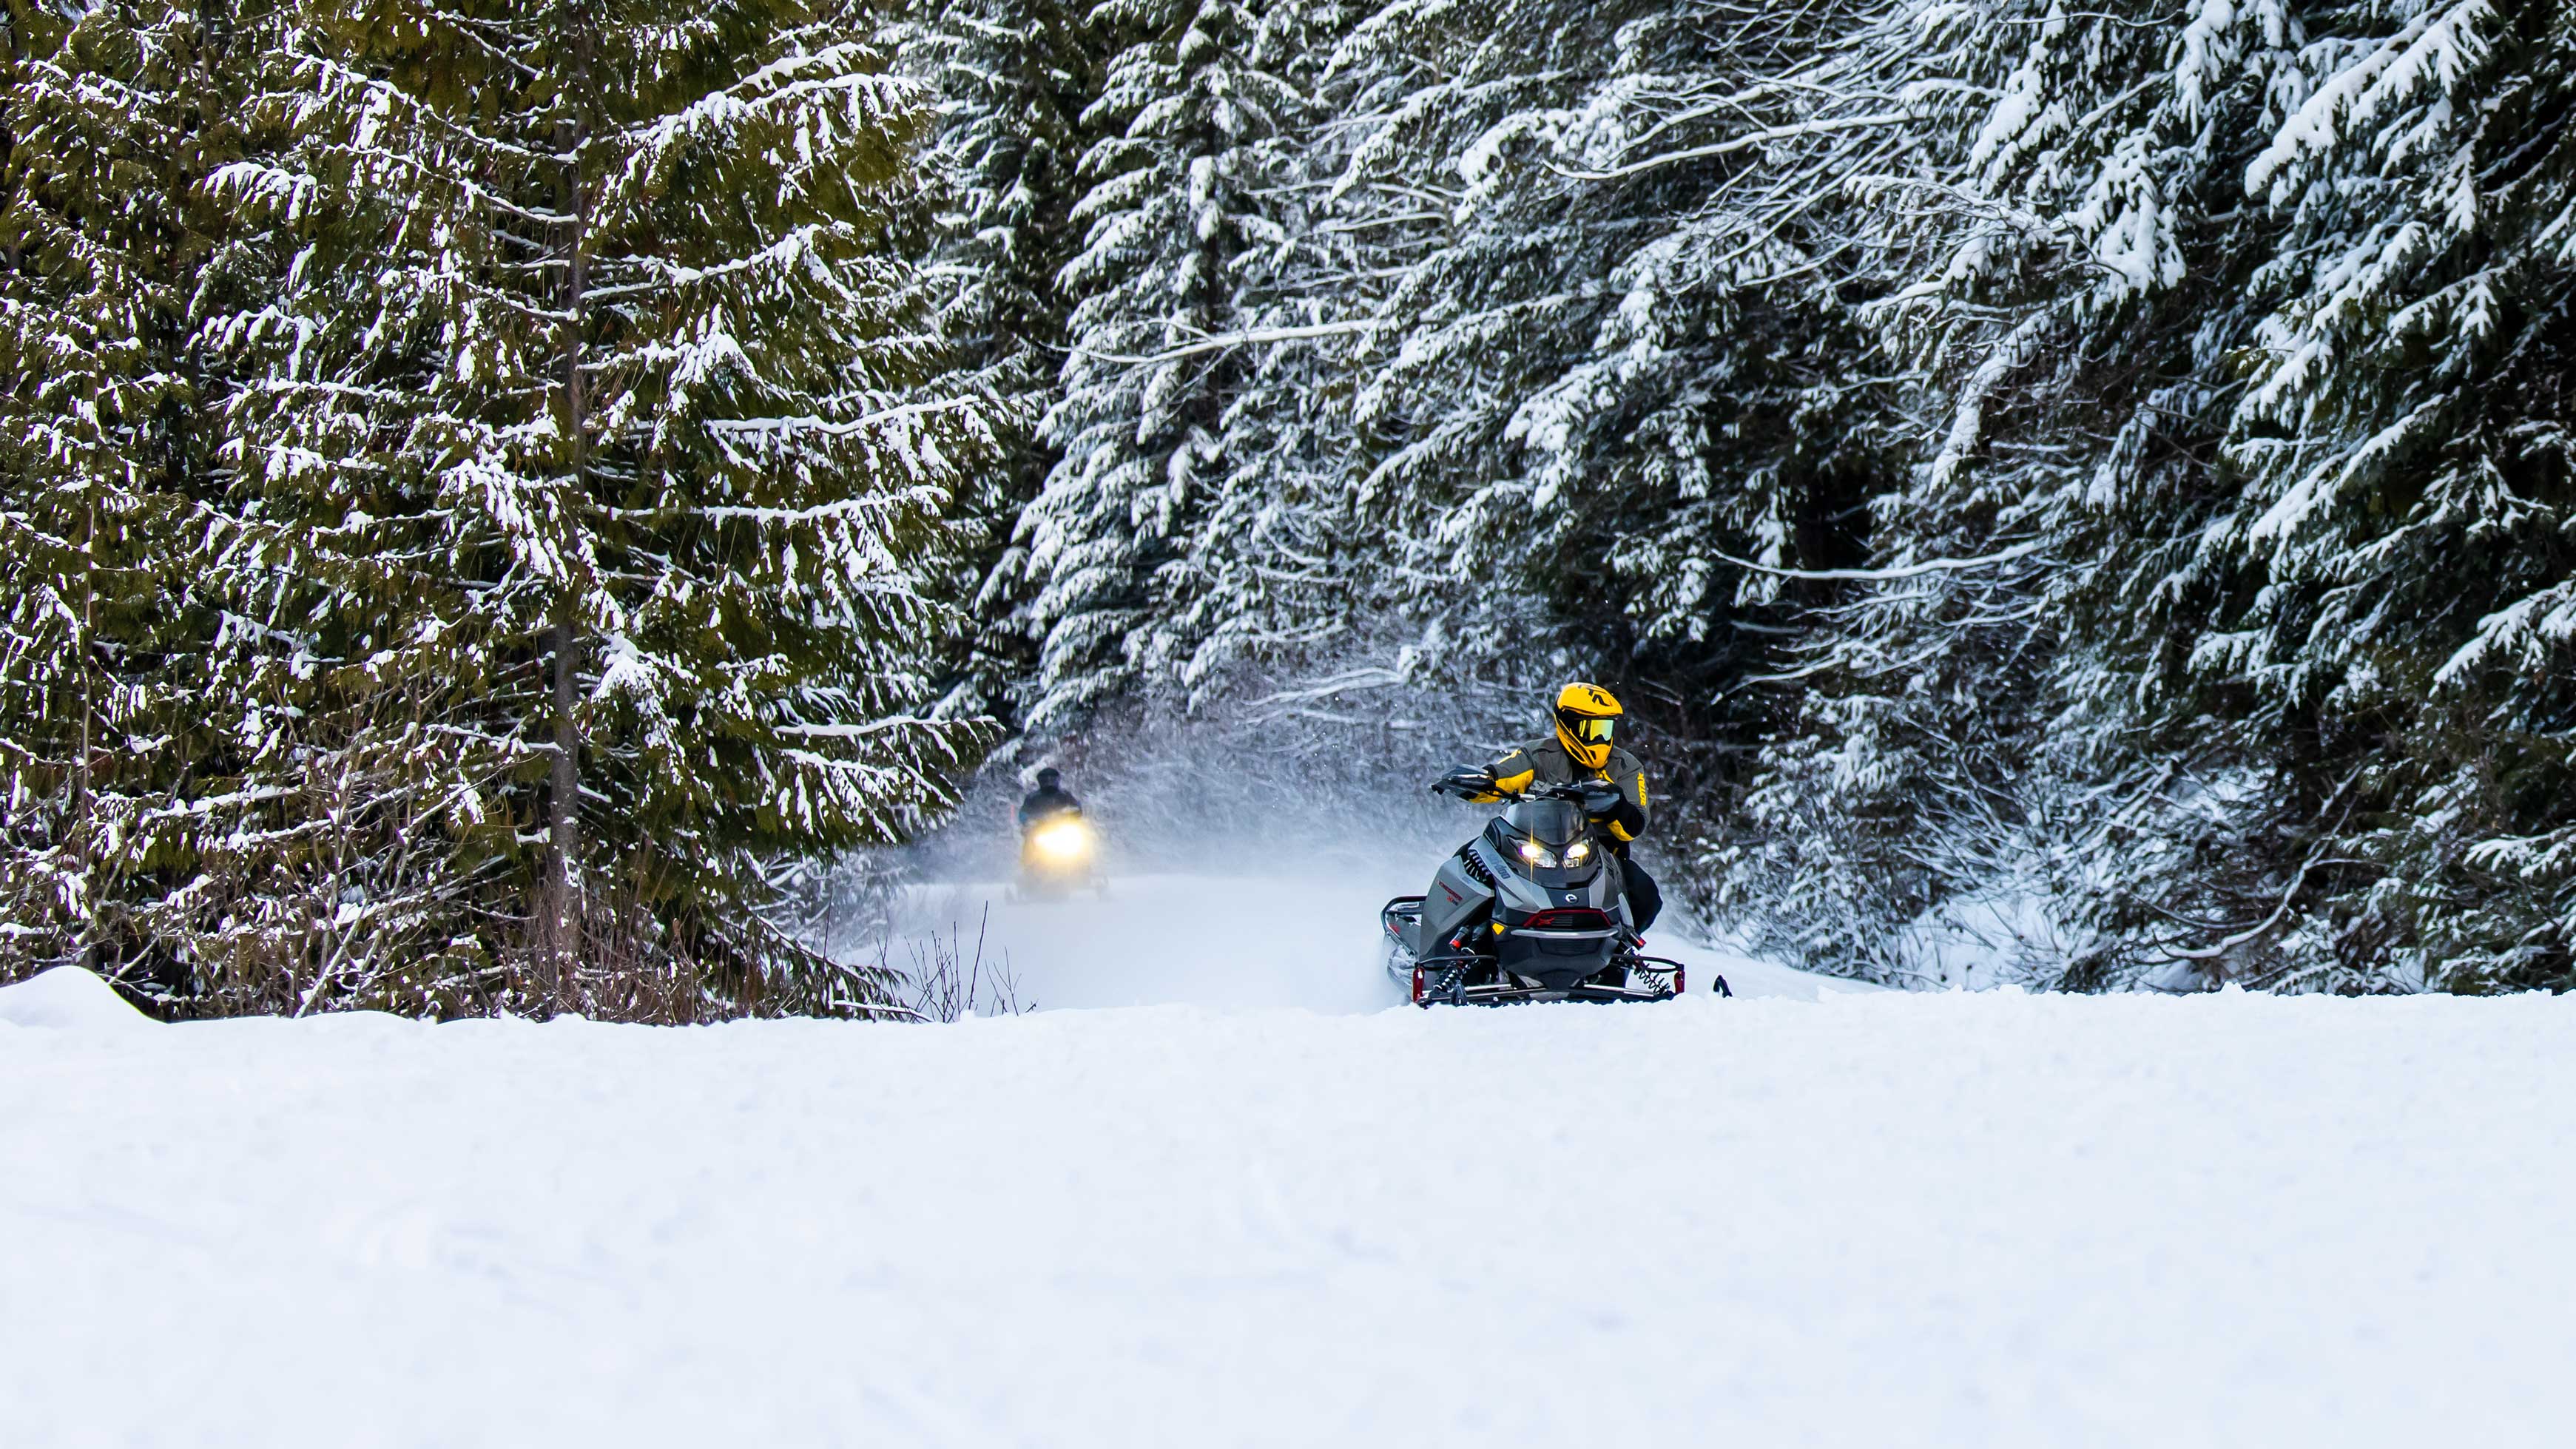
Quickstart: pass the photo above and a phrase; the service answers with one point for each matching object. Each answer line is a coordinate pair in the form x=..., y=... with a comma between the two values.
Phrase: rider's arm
x=1512, y=774
x=1627, y=819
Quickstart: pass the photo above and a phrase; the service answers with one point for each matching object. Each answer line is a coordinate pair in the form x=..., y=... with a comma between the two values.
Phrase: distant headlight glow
x=1063, y=840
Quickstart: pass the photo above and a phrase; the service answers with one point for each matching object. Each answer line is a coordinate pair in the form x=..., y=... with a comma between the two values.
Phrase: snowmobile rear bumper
x=1516, y=995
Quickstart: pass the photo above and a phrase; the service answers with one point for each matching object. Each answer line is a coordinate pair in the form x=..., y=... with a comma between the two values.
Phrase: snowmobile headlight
x=1062, y=840
x=1538, y=855
x=1579, y=852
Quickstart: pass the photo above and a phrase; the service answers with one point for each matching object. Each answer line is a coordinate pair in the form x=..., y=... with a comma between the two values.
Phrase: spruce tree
x=111, y=116
x=2410, y=486
x=1016, y=78
x=591, y=490
x=1618, y=369
x=1999, y=702
x=2217, y=307
x=1150, y=375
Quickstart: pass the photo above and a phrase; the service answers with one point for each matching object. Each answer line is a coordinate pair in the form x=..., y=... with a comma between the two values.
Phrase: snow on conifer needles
x=2233, y=333
x=574, y=491
x=2093, y=480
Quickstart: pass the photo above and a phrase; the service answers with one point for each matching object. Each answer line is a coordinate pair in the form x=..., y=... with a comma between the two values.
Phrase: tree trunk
x=563, y=816
x=84, y=818
x=564, y=789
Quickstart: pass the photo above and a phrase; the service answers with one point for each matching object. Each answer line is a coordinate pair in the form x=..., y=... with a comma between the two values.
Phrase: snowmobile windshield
x=1552, y=823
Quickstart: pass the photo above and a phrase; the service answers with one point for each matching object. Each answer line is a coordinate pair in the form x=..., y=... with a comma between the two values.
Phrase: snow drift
x=68, y=998
x=1873, y=1220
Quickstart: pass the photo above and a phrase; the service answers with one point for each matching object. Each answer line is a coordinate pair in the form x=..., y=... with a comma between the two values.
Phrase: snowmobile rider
x=1579, y=751
x=1048, y=799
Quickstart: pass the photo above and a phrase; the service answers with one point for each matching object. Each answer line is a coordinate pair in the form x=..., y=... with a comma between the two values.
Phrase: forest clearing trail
x=1870, y=1219
x=1233, y=941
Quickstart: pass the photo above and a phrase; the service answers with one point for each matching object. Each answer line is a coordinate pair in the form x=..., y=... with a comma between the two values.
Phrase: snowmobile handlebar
x=1467, y=784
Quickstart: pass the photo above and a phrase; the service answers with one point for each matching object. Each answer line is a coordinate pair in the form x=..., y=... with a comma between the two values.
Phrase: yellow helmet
x=1584, y=713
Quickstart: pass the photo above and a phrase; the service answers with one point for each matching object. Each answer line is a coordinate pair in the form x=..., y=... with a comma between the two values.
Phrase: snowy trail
x=1869, y=1220
x=1231, y=941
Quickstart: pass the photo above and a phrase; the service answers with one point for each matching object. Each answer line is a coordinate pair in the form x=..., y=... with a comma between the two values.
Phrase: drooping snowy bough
x=580, y=508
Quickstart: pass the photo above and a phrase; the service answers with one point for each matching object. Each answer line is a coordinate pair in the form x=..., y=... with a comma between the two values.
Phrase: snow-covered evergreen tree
x=111, y=115
x=2231, y=466
x=1170, y=214
x=2085, y=484
x=1015, y=78
x=1616, y=364
x=2404, y=434
x=590, y=485
x=2002, y=728
x=1592, y=331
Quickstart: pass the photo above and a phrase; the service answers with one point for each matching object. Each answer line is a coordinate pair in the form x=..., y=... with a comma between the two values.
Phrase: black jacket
x=1044, y=802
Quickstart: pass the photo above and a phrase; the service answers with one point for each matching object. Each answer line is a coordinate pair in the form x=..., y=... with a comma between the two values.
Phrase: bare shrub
x=949, y=984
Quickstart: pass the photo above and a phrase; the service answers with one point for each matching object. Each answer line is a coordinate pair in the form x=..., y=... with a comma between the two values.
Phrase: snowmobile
x=1532, y=909
x=1059, y=854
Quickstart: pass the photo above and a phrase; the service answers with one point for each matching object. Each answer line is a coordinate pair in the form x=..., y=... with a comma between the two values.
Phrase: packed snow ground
x=1864, y=1219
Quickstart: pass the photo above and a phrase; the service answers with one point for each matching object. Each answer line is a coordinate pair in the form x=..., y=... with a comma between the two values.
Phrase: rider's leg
x=1645, y=898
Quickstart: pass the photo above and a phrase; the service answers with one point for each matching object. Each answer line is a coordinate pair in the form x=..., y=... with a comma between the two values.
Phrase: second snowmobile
x=1059, y=854
x=1529, y=910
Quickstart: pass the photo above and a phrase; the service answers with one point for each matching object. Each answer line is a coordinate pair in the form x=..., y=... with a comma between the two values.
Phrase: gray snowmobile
x=1529, y=910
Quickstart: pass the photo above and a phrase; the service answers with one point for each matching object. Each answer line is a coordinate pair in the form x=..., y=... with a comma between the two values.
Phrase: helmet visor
x=1590, y=729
